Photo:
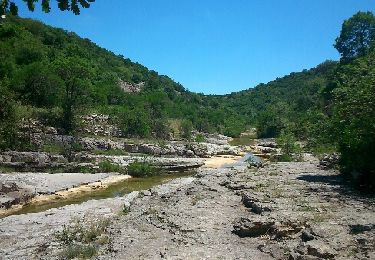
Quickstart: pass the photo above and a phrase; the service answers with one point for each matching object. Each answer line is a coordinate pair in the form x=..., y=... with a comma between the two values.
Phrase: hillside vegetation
x=56, y=75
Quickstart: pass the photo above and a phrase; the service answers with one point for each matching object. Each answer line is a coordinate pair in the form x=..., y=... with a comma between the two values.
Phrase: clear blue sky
x=214, y=46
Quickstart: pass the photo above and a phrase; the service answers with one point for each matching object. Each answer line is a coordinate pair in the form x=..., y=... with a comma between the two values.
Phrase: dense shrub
x=8, y=119
x=108, y=166
x=161, y=129
x=185, y=129
x=141, y=169
x=290, y=150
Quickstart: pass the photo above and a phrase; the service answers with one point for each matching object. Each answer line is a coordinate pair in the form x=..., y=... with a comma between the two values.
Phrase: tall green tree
x=354, y=118
x=8, y=120
x=37, y=85
x=74, y=72
x=357, y=35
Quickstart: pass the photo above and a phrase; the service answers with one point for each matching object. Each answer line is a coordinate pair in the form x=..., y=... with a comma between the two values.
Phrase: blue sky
x=213, y=46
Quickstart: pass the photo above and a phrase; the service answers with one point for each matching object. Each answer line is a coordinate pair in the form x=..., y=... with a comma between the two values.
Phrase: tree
x=8, y=119
x=357, y=35
x=354, y=118
x=74, y=72
x=161, y=129
x=272, y=120
x=135, y=123
x=185, y=129
x=37, y=85
x=8, y=6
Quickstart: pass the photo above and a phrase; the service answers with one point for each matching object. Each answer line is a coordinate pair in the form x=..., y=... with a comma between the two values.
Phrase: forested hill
x=285, y=102
x=56, y=72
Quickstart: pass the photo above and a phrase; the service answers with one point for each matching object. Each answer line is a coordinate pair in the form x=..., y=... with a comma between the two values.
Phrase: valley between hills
x=103, y=158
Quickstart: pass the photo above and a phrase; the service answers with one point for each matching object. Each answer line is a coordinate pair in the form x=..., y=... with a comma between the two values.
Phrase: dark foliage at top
x=357, y=36
x=9, y=6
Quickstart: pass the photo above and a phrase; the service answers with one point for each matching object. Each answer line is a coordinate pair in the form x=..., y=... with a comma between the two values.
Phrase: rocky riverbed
x=18, y=188
x=279, y=211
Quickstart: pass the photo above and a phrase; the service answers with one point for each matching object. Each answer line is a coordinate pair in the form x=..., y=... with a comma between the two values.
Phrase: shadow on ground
x=337, y=183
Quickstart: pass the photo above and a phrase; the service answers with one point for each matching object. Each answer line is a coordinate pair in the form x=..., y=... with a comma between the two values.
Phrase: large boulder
x=99, y=144
x=27, y=157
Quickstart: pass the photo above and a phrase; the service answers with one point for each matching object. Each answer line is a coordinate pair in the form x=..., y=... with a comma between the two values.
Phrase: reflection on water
x=115, y=190
x=243, y=140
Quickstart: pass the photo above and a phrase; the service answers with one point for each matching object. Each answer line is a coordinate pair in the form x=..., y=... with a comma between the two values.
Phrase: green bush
x=185, y=129
x=141, y=169
x=108, y=166
x=135, y=123
x=199, y=138
x=113, y=152
x=161, y=129
x=79, y=251
x=270, y=123
x=52, y=148
x=81, y=239
x=8, y=120
x=290, y=150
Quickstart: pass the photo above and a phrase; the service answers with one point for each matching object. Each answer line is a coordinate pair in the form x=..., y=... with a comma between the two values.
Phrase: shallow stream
x=115, y=190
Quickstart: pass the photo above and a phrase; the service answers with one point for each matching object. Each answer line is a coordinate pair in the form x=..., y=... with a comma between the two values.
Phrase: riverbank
x=33, y=189
x=75, y=186
x=281, y=211
x=17, y=189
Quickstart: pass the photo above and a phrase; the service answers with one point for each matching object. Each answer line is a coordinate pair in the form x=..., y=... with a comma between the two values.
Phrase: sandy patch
x=221, y=161
x=76, y=191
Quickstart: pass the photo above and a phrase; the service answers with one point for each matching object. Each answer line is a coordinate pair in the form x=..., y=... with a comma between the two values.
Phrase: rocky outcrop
x=38, y=161
x=313, y=250
x=32, y=235
x=166, y=163
x=245, y=227
x=11, y=194
x=39, y=158
x=216, y=139
x=173, y=148
x=99, y=125
x=90, y=144
x=271, y=143
x=31, y=161
x=129, y=87
x=265, y=147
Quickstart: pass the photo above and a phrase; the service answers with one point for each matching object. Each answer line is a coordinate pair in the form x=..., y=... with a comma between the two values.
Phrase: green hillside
x=58, y=74
x=55, y=72
x=286, y=102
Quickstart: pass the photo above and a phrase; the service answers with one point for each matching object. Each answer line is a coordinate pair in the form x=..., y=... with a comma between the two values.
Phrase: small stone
x=319, y=249
x=307, y=236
